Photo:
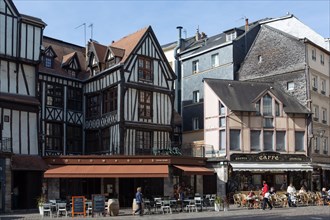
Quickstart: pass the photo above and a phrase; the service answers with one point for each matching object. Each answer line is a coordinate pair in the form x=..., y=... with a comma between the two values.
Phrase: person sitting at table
x=302, y=190
x=251, y=198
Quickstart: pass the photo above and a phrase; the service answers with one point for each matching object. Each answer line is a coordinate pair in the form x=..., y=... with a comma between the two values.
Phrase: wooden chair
x=237, y=199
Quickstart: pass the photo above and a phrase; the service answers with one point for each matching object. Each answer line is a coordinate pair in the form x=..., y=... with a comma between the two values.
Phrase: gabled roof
x=241, y=96
x=116, y=52
x=99, y=51
x=129, y=42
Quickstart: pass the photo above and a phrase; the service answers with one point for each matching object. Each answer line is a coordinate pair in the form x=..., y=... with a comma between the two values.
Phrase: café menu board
x=98, y=203
x=78, y=205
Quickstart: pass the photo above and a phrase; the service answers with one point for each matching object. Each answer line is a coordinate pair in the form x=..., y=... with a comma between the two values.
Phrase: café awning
x=107, y=171
x=195, y=170
x=272, y=167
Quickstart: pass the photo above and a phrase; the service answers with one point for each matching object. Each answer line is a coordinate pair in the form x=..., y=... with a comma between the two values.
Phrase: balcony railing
x=6, y=145
x=158, y=148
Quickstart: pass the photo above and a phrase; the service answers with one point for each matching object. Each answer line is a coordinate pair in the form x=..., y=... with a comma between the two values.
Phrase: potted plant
x=40, y=201
x=217, y=203
x=226, y=203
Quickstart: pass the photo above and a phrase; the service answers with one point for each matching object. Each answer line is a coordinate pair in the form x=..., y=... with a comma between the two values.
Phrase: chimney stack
x=246, y=24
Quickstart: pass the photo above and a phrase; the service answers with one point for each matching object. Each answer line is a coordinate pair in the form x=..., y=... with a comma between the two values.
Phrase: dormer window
x=48, y=57
x=231, y=36
x=71, y=64
x=269, y=108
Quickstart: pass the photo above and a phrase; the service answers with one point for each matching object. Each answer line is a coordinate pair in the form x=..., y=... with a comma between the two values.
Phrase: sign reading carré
x=78, y=205
x=269, y=157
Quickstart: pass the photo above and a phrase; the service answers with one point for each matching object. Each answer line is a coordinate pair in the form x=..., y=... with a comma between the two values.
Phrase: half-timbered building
x=109, y=127
x=20, y=165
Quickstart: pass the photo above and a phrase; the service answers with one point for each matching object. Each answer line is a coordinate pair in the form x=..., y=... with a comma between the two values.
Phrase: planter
x=41, y=210
x=217, y=207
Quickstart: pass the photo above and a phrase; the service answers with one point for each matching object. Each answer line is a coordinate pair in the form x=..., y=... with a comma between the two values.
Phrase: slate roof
x=241, y=96
x=64, y=52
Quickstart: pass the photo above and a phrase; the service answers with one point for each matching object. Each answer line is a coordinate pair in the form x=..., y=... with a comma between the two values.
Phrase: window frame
x=195, y=66
x=145, y=72
x=144, y=142
x=195, y=123
x=235, y=132
x=54, y=95
x=54, y=136
x=297, y=147
x=74, y=99
x=93, y=107
x=145, y=99
x=110, y=100
x=215, y=60
x=196, y=96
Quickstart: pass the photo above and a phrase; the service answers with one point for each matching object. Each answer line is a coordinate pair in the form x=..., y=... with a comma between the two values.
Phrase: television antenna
x=83, y=24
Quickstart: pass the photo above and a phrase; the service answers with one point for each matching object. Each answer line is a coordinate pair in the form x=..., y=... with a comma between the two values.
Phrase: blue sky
x=113, y=20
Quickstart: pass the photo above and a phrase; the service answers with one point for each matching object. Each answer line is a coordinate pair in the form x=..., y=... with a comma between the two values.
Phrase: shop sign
x=269, y=157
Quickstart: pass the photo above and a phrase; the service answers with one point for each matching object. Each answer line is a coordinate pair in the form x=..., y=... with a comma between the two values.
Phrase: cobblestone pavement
x=234, y=213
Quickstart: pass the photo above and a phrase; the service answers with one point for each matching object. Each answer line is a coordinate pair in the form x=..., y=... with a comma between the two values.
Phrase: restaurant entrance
x=151, y=187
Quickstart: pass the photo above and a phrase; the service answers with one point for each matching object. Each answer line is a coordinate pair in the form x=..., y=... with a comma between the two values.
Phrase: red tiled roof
x=129, y=42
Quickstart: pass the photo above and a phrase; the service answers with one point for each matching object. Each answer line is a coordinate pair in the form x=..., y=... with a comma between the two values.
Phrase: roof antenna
x=91, y=26
x=83, y=24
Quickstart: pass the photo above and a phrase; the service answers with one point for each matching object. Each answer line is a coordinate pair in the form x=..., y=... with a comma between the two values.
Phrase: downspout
x=177, y=102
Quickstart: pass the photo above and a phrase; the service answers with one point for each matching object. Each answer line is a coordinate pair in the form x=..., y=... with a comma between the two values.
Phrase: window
x=93, y=106
x=48, y=62
x=235, y=139
x=195, y=67
x=268, y=140
x=145, y=69
x=314, y=83
x=267, y=105
x=268, y=123
x=277, y=109
x=313, y=54
x=259, y=59
x=92, y=141
x=280, y=140
x=316, y=145
x=299, y=140
x=54, y=95
x=255, y=140
x=324, y=115
x=145, y=104
x=143, y=142
x=316, y=112
x=323, y=86
x=195, y=96
x=325, y=145
x=258, y=108
x=322, y=59
x=222, y=143
x=105, y=140
x=110, y=97
x=221, y=109
x=74, y=99
x=195, y=122
x=215, y=60
x=231, y=36
x=74, y=139
x=290, y=86
x=54, y=135
x=222, y=122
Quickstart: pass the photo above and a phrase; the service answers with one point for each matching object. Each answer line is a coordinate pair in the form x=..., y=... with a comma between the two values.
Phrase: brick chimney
x=246, y=24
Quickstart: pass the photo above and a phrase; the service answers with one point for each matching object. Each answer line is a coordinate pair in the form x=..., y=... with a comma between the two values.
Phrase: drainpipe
x=177, y=103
